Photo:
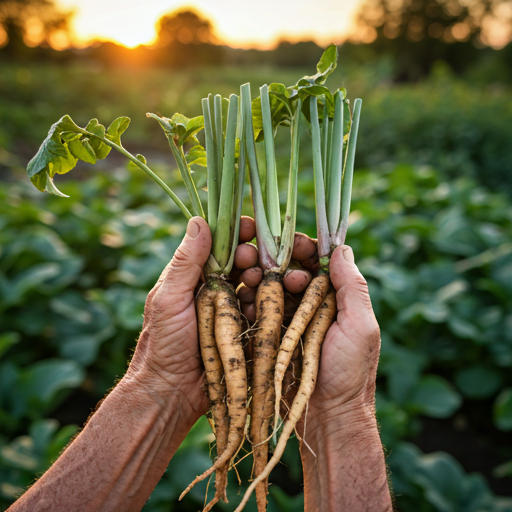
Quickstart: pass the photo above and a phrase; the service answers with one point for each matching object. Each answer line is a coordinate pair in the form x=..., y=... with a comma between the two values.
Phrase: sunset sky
x=242, y=24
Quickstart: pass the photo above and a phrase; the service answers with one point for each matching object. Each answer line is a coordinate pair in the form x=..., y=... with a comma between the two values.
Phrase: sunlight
x=260, y=25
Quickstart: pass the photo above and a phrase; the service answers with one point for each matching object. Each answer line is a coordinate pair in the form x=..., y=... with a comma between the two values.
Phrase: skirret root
x=229, y=345
x=313, y=339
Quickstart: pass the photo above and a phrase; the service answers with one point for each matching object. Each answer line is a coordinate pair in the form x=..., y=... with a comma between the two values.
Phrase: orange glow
x=259, y=24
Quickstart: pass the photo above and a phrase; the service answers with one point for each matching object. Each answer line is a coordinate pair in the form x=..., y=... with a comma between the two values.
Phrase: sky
x=239, y=23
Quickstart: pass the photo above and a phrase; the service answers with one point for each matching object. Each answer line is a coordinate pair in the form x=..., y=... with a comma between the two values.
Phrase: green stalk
x=325, y=140
x=211, y=168
x=328, y=156
x=322, y=227
x=348, y=174
x=177, y=151
x=266, y=244
x=219, y=135
x=272, y=192
x=239, y=194
x=146, y=169
x=286, y=246
x=222, y=239
x=336, y=170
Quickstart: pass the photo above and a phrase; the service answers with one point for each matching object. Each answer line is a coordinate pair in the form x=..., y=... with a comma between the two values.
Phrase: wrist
x=146, y=386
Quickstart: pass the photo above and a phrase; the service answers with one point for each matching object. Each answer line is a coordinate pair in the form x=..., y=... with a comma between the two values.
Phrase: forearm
x=344, y=467
x=118, y=458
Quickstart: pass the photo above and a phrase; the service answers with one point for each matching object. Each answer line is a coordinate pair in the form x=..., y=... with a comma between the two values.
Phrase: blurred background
x=431, y=223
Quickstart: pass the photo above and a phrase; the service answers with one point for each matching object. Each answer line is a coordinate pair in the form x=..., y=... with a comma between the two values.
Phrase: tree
x=185, y=27
x=31, y=22
x=418, y=32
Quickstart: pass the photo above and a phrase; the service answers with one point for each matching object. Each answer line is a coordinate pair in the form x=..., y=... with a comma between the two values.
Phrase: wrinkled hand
x=350, y=352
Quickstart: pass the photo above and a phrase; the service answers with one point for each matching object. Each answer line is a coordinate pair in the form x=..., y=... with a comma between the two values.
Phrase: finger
x=304, y=247
x=183, y=272
x=351, y=287
x=246, y=294
x=246, y=256
x=249, y=311
x=252, y=277
x=247, y=229
x=296, y=281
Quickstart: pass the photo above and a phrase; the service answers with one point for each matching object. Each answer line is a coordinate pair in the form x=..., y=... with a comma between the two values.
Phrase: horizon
x=262, y=25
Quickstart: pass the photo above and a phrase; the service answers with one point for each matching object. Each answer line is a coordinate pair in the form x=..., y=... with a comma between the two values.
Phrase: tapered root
x=313, y=339
x=312, y=299
x=270, y=313
x=228, y=338
x=215, y=383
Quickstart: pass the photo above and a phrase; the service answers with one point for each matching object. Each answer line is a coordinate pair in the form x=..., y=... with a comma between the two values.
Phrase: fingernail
x=348, y=254
x=193, y=228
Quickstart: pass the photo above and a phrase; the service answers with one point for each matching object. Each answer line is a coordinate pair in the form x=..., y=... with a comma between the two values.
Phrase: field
x=431, y=230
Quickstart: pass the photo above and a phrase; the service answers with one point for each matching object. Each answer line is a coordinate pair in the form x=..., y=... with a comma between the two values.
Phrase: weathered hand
x=167, y=358
x=350, y=352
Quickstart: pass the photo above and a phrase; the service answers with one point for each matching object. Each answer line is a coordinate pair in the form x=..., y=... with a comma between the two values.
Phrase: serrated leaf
x=116, y=129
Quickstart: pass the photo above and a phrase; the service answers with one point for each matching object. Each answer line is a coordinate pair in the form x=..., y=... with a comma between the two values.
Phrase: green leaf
x=116, y=129
x=53, y=157
x=478, y=381
x=140, y=158
x=326, y=65
x=196, y=155
x=101, y=150
x=435, y=397
x=44, y=379
x=81, y=149
x=7, y=340
x=503, y=410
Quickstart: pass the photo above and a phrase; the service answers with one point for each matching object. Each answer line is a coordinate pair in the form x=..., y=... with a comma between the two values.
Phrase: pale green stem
x=325, y=140
x=146, y=169
x=211, y=168
x=322, y=227
x=286, y=246
x=272, y=192
x=239, y=197
x=177, y=151
x=266, y=244
x=349, y=173
x=222, y=239
x=336, y=171
x=219, y=135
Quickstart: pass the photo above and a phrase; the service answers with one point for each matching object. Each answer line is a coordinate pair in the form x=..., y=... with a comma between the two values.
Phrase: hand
x=167, y=358
x=350, y=352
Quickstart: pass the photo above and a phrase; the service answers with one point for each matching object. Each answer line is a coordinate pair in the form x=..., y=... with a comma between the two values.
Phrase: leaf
x=503, y=410
x=44, y=379
x=81, y=149
x=7, y=340
x=478, y=381
x=52, y=157
x=192, y=127
x=116, y=129
x=326, y=65
x=140, y=158
x=101, y=150
x=435, y=397
x=196, y=155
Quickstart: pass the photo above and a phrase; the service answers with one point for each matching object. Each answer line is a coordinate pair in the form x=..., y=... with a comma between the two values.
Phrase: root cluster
x=282, y=364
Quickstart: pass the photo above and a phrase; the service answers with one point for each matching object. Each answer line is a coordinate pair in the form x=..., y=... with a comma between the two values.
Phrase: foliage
x=419, y=32
x=74, y=274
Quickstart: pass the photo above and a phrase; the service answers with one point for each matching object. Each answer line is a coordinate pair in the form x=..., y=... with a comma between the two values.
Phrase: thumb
x=183, y=272
x=350, y=285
